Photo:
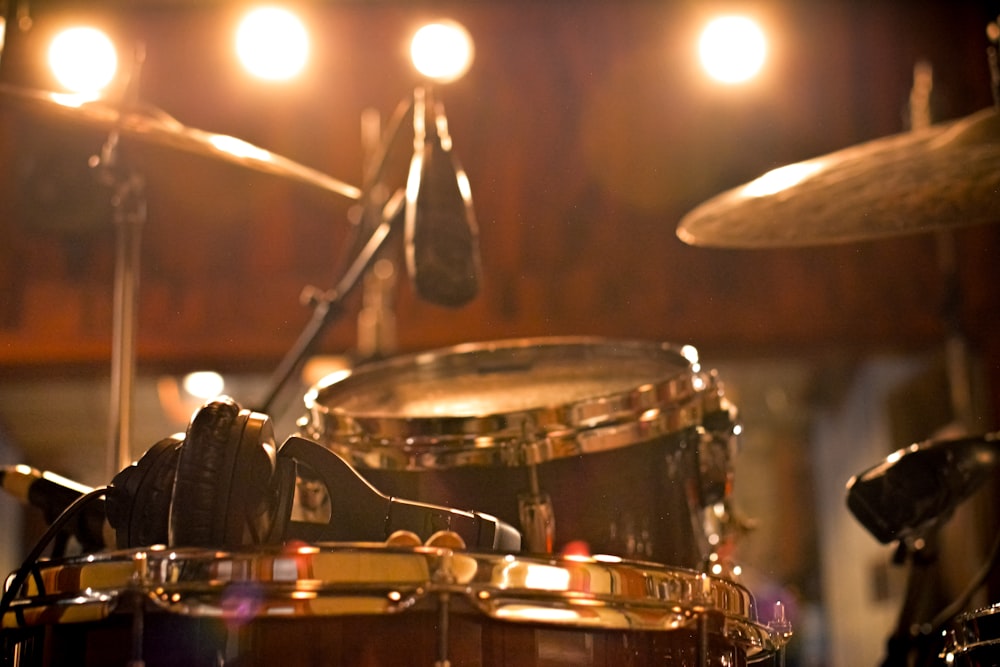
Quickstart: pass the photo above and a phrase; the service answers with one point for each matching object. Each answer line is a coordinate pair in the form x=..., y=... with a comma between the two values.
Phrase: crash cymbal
x=938, y=178
x=154, y=126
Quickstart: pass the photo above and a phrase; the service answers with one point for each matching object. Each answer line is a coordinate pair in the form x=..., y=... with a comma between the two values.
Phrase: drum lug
x=443, y=618
x=538, y=522
x=715, y=457
x=136, y=600
x=443, y=578
x=534, y=509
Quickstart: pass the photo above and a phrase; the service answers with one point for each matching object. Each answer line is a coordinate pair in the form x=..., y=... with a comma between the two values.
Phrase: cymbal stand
x=915, y=641
x=128, y=202
x=129, y=212
x=377, y=222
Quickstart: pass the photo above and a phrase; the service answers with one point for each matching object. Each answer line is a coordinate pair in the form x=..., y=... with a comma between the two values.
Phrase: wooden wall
x=587, y=132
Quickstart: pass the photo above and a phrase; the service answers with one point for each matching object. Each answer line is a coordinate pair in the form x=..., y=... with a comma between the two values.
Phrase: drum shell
x=366, y=604
x=610, y=433
x=636, y=502
x=404, y=640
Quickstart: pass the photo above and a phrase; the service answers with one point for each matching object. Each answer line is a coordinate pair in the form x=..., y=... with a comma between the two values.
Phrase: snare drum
x=974, y=639
x=356, y=604
x=619, y=445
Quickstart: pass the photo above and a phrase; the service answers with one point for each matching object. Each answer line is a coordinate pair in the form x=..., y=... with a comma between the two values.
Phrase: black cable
x=28, y=566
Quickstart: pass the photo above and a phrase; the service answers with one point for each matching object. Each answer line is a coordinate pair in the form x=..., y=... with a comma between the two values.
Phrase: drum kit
x=429, y=510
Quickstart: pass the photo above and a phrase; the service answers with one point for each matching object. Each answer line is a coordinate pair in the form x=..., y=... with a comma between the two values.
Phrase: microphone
x=918, y=487
x=52, y=494
x=442, y=237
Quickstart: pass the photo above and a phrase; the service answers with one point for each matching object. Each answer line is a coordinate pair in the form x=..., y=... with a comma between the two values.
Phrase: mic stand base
x=912, y=645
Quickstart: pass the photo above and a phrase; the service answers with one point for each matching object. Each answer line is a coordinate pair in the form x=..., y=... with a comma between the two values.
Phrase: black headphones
x=216, y=486
x=224, y=484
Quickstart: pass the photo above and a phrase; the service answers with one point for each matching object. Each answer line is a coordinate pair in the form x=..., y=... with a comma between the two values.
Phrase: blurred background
x=588, y=129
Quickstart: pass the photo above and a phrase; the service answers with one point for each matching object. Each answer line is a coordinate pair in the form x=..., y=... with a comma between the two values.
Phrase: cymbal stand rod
x=128, y=202
x=956, y=348
x=129, y=206
x=993, y=34
x=13, y=14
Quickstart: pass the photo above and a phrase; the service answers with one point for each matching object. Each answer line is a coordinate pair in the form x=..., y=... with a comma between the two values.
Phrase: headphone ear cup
x=222, y=488
x=138, y=500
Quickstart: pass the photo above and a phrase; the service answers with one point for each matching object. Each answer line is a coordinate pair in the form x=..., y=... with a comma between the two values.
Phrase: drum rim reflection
x=972, y=631
x=599, y=593
x=672, y=399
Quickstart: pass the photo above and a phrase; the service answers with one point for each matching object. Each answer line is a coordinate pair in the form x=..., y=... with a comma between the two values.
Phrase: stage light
x=204, y=385
x=732, y=49
x=83, y=59
x=442, y=51
x=272, y=43
x=180, y=396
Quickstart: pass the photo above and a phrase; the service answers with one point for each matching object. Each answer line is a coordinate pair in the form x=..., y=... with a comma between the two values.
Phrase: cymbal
x=941, y=177
x=153, y=126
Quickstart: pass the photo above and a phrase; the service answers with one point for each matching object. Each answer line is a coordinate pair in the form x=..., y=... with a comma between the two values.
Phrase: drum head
x=510, y=402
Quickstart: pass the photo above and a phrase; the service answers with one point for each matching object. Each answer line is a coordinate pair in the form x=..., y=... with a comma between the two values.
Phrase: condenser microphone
x=52, y=494
x=917, y=488
x=442, y=237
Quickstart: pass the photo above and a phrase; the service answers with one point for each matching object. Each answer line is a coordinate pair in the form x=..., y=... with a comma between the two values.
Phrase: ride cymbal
x=937, y=178
x=153, y=126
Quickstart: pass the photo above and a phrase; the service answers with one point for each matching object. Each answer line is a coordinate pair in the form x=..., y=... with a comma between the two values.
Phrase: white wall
x=850, y=436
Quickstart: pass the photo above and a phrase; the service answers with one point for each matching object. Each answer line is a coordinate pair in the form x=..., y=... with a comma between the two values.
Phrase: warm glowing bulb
x=204, y=384
x=272, y=44
x=732, y=49
x=83, y=59
x=442, y=51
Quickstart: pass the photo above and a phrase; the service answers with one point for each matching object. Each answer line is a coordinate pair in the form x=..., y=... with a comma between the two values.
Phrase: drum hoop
x=663, y=406
x=973, y=630
x=358, y=578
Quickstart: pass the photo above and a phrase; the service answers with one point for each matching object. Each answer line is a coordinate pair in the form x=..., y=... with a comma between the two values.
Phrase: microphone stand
x=377, y=336
x=910, y=643
x=328, y=305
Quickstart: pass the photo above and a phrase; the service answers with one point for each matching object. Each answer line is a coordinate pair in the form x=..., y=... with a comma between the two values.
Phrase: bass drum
x=366, y=604
x=613, y=447
x=974, y=639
